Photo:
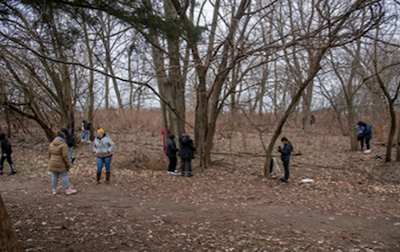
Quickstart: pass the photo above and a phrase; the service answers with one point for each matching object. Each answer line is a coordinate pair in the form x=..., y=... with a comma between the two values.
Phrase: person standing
x=360, y=135
x=103, y=147
x=312, y=122
x=59, y=163
x=87, y=132
x=367, y=136
x=6, y=154
x=171, y=151
x=70, y=143
x=83, y=127
x=163, y=138
x=186, y=153
x=285, y=157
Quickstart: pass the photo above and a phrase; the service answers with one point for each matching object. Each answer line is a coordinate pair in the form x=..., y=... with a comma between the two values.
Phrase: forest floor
x=352, y=205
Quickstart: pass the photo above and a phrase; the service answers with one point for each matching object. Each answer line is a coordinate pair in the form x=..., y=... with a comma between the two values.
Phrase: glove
x=68, y=167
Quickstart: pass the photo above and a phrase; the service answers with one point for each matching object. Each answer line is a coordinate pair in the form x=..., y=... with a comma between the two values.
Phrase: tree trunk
x=8, y=240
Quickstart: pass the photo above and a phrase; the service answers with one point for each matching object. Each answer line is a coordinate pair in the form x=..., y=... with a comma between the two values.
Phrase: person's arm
x=111, y=145
x=285, y=150
x=64, y=153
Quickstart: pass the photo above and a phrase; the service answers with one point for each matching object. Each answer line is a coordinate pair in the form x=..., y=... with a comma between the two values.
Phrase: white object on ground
x=307, y=180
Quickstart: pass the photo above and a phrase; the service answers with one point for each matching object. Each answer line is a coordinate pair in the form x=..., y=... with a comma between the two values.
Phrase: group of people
x=186, y=154
x=364, y=132
x=60, y=157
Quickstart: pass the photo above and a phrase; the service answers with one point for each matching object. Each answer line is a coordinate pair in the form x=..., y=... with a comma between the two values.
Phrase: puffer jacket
x=187, y=148
x=58, y=155
x=103, y=147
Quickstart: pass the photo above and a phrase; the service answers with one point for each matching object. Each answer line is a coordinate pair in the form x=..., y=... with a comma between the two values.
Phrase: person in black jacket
x=6, y=154
x=171, y=151
x=69, y=140
x=186, y=153
x=285, y=157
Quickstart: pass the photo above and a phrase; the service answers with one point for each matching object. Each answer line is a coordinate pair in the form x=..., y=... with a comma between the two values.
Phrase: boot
x=98, y=175
x=108, y=174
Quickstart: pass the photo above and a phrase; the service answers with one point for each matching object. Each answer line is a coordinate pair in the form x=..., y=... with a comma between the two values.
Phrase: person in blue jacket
x=367, y=136
x=360, y=135
x=285, y=157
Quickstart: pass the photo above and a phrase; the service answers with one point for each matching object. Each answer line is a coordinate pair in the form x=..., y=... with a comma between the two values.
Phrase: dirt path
x=141, y=215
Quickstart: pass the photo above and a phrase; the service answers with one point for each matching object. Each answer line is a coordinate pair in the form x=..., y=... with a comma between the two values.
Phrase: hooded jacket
x=69, y=139
x=103, y=147
x=58, y=155
x=367, y=131
x=187, y=148
x=5, y=144
x=171, y=148
x=286, y=151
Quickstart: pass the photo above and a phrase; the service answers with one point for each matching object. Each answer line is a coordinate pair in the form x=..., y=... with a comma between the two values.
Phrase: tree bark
x=8, y=240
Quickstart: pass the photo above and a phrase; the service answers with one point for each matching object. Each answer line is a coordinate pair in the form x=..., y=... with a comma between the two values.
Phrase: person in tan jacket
x=59, y=163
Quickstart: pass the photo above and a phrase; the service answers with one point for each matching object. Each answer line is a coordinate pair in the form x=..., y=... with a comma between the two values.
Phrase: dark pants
x=8, y=158
x=361, y=139
x=271, y=165
x=189, y=162
x=367, y=143
x=172, y=164
x=286, y=166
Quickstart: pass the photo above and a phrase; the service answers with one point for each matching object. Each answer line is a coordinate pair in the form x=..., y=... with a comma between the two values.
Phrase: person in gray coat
x=103, y=147
x=171, y=151
x=186, y=153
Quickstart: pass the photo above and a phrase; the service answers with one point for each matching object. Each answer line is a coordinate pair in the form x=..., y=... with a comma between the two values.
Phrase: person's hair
x=187, y=136
x=359, y=123
x=60, y=134
x=172, y=136
x=284, y=139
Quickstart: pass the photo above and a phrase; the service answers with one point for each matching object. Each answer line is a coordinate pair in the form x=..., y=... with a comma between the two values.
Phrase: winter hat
x=64, y=130
x=101, y=130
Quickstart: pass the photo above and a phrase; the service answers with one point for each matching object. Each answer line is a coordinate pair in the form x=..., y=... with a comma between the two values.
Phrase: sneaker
x=362, y=149
x=70, y=191
x=1, y=172
x=367, y=151
x=73, y=160
x=176, y=171
x=54, y=192
x=284, y=180
x=12, y=173
x=190, y=175
x=183, y=174
x=274, y=176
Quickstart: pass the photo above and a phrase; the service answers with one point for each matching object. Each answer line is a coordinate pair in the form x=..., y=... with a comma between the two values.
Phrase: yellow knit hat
x=101, y=130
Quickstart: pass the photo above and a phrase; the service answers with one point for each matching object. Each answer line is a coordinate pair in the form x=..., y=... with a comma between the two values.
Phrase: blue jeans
x=70, y=149
x=101, y=162
x=83, y=136
x=64, y=177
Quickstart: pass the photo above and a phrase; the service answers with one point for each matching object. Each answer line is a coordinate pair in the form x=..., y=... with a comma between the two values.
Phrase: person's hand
x=4, y=155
